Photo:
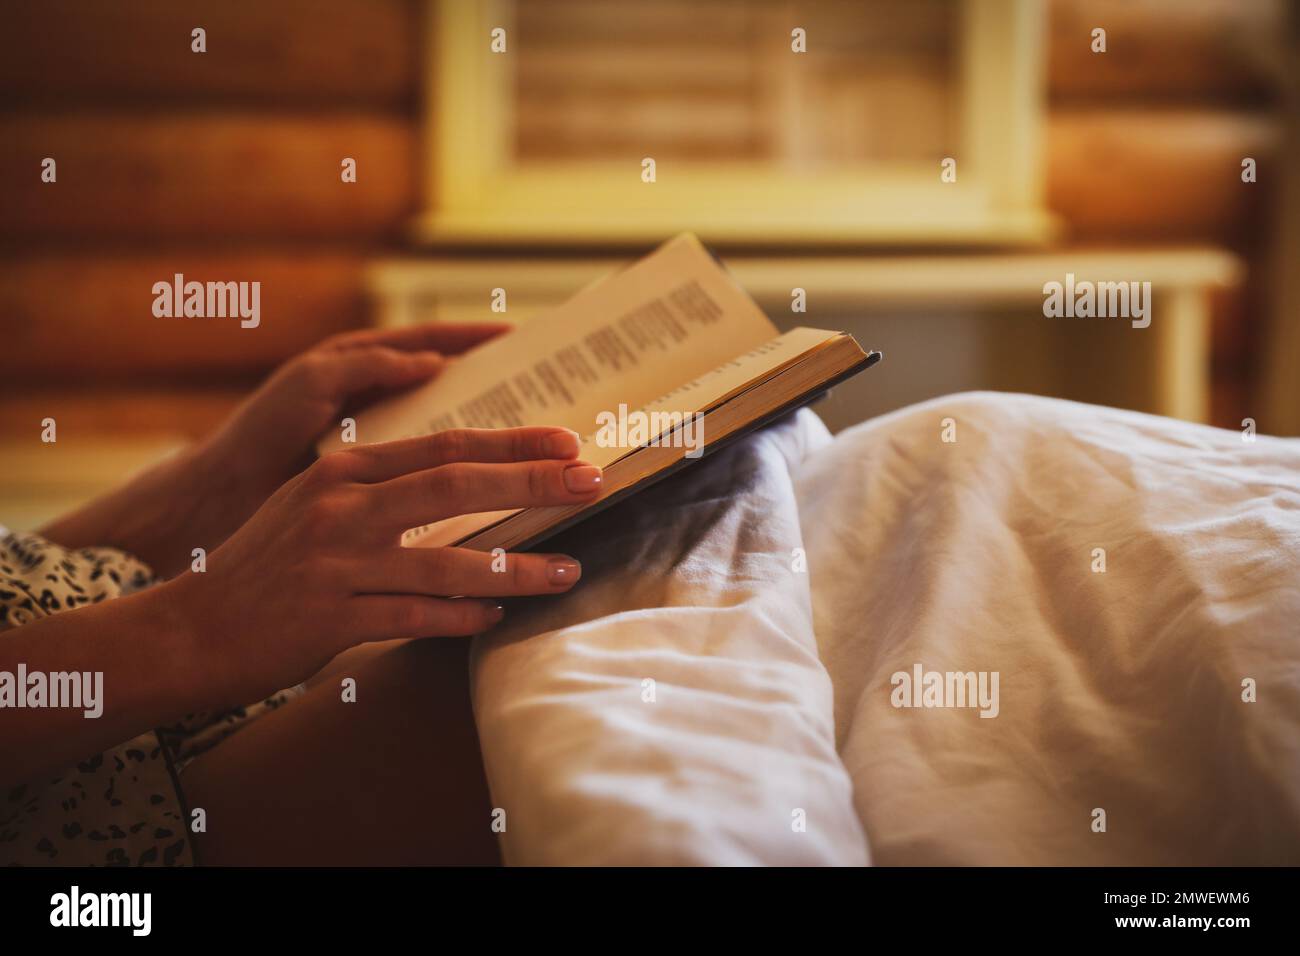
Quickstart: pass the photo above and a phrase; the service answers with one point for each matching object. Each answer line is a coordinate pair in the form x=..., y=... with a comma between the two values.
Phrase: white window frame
x=474, y=193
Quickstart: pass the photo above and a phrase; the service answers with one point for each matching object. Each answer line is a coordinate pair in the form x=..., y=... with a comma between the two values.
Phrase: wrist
x=176, y=610
x=155, y=648
x=231, y=478
x=217, y=492
x=149, y=517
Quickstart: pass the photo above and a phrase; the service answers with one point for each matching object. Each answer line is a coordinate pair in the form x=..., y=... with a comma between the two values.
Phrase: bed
x=723, y=686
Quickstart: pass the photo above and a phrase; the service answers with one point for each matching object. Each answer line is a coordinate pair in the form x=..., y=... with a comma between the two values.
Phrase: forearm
x=152, y=673
x=190, y=500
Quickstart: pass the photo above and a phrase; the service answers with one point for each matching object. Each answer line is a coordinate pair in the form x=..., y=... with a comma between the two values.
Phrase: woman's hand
x=320, y=567
x=272, y=436
x=197, y=498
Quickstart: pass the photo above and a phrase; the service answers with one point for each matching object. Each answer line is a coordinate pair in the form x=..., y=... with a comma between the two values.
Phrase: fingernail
x=562, y=571
x=563, y=444
x=581, y=479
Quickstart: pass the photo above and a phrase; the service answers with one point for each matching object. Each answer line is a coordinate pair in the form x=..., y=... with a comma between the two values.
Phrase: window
x=752, y=142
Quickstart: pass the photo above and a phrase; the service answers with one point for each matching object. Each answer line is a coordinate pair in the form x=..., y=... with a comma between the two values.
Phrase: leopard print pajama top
x=125, y=806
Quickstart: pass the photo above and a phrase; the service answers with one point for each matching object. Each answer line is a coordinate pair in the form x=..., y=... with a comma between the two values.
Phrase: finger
x=354, y=371
x=448, y=338
x=393, y=459
x=453, y=572
x=384, y=617
x=470, y=487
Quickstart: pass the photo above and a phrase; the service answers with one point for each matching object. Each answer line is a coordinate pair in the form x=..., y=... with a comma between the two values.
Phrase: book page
x=662, y=321
x=714, y=387
x=707, y=391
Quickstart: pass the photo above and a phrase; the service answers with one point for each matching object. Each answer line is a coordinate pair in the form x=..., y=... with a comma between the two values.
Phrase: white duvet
x=721, y=689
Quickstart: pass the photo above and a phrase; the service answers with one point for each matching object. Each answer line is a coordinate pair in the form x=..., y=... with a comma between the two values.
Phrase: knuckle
x=312, y=371
x=335, y=467
x=343, y=340
x=378, y=355
x=452, y=445
x=323, y=512
x=440, y=565
x=521, y=570
x=451, y=482
x=467, y=616
x=539, y=480
x=330, y=511
x=411, y=617
x=520, y=445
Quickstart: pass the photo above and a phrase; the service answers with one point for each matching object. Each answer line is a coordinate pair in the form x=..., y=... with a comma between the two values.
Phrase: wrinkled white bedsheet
x=771, y=736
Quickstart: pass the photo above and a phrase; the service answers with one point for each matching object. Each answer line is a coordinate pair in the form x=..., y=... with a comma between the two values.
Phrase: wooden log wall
x=225, y=166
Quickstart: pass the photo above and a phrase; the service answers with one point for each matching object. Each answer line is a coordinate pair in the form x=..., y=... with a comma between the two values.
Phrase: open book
x=653, y=366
